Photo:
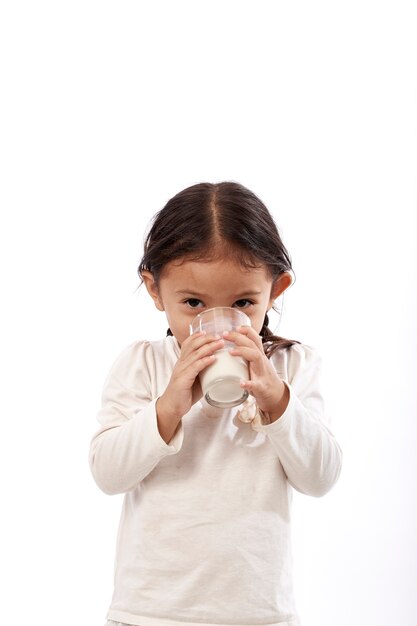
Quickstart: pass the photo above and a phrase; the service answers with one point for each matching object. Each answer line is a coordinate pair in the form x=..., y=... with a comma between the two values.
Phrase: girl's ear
x=152, y=289
x=279, y=285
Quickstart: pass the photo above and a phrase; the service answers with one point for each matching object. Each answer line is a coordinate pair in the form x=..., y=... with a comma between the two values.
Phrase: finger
x=189, y=368
x=253, y=387
x=206, y=350
x=251, y=333
x=196, y=341
x=209, y=348
x=251, y=354
x=244, y=335
x=248, y=386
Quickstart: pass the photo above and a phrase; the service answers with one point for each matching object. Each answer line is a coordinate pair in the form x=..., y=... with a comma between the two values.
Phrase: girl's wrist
x=166, y=410
x=166, y=421
x=275, y=411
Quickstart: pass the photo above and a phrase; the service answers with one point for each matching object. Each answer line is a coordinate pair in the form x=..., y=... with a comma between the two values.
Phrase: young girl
x=204, y=536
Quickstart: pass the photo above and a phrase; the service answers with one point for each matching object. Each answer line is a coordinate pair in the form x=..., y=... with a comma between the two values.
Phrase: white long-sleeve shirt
x=204, y=536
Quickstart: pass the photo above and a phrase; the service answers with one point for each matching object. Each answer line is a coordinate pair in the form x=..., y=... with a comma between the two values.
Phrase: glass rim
x=221, y=308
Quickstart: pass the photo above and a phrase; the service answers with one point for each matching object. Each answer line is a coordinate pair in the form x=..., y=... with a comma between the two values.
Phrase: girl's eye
x=194, y=303
x=242, y=304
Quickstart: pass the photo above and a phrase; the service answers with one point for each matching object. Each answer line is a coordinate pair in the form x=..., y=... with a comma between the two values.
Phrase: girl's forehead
x=220, y=251
x=222, y=269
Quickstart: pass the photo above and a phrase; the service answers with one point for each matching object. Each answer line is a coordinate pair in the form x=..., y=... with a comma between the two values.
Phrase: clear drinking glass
x=220, y=380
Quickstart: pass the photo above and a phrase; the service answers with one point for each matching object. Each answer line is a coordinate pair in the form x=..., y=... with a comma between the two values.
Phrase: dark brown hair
x=208, y=221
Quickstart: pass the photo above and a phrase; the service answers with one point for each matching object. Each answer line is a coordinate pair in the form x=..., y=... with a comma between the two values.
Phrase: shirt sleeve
x=128, y=445
x=306, y=447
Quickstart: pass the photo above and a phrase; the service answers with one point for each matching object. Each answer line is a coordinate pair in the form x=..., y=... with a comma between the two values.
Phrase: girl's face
x=186, y=288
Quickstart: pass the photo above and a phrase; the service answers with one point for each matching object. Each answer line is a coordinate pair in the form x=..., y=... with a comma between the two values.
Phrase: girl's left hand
x=271, y=393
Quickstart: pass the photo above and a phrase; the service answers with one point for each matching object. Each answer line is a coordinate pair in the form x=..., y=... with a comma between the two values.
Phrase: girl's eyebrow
x=189, y=292
x=203, y=295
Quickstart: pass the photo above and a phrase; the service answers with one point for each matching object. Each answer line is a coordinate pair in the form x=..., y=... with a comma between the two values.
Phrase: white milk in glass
x=220, y=381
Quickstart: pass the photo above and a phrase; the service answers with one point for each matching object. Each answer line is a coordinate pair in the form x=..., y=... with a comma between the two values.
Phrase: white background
x=107, y=110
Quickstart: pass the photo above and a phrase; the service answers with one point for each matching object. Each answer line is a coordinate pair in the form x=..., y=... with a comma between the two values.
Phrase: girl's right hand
x=183, y=390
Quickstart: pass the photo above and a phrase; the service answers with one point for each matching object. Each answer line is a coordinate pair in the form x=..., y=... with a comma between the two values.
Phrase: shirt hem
x=138, y=620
